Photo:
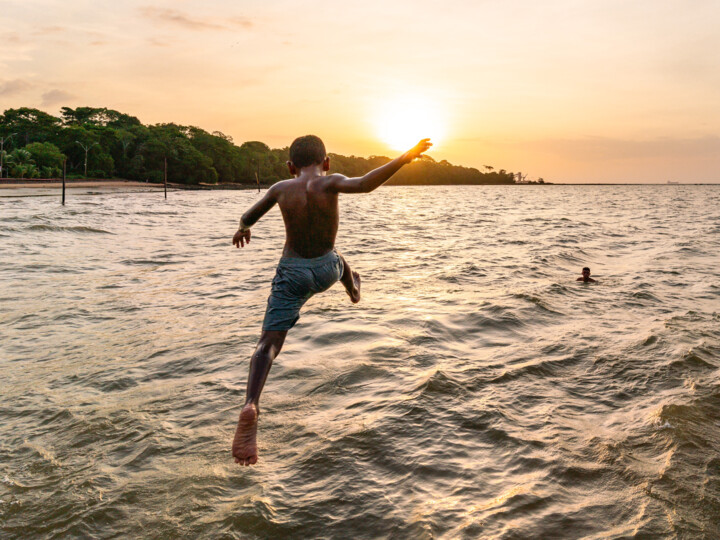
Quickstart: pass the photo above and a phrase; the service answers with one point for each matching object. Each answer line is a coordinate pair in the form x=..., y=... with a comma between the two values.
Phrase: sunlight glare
x=403, y=121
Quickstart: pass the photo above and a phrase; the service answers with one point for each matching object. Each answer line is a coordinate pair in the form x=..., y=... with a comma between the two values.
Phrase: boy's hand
x=417, y=150
x=241, y=238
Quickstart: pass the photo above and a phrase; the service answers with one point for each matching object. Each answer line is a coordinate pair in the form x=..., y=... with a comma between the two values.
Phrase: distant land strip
x=103, y=143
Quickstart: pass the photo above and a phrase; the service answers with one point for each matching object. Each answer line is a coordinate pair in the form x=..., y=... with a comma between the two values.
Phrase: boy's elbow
x=365, y=186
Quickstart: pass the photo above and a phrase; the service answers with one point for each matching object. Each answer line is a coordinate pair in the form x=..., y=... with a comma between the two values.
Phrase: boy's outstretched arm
x=253, y=215
x=377, y=177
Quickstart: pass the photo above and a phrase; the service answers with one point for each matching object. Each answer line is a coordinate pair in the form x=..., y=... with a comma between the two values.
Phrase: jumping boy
x=309, y=265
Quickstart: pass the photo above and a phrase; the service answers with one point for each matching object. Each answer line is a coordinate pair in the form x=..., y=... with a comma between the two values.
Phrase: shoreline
x=14, y=183
x=51, y=183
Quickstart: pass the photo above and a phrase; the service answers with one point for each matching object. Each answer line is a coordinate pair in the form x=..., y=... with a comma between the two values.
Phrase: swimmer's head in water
x=586, y=271
x=307, y=150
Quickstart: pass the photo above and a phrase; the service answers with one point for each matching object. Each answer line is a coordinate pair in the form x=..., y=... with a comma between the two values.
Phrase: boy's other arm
x=377, y=177
x=253, y=215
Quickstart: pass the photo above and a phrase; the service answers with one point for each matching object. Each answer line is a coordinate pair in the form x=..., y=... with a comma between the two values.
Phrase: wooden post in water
x=166, y=178
x=63, y=190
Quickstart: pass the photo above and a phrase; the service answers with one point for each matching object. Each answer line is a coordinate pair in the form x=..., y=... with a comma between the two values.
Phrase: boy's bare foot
x=354, y=290
x=244, y=446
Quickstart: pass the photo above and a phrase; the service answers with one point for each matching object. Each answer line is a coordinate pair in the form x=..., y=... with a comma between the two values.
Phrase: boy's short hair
x=586, y=268
x=307, y=150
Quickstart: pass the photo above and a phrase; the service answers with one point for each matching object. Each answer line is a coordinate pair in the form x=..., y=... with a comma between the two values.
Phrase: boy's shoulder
x=319, y=182
x=281, y=185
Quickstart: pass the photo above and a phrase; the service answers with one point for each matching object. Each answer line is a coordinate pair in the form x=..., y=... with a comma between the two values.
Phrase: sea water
x=477, y=390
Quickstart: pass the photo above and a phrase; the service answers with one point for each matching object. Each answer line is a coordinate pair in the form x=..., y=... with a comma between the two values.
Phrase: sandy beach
x=51, y=187
x=50, y=183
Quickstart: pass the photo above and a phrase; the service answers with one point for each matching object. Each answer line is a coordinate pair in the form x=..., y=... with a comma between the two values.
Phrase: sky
x=566, y=90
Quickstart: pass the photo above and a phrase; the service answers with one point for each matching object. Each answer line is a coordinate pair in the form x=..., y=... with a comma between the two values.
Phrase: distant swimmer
x=309, y=264
x=586, y=276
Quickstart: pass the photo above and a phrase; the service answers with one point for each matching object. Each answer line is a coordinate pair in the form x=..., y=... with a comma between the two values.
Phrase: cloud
x=240, y=22
x=55, y=96
x=173, y=17
x=603, y=149
x=9, y=88
x=54, y=29
x=13, y=38
x=155, y=42
x=608, y=149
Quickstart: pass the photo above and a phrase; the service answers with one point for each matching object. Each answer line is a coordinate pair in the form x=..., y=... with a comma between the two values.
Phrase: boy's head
x=306, y=151
x=586, y=272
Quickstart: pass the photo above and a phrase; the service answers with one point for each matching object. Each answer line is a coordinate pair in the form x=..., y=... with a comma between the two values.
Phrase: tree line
x=104, y=143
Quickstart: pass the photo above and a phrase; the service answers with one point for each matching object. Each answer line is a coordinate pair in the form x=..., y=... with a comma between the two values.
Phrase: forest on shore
x=104, y=143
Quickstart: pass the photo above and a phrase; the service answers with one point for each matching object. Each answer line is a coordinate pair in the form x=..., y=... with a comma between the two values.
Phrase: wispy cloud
x=173, y=17
x=14, y=38
x=16, y=86
x=54, y=29
x=155, y=42
x=608, y=149
x=604, y=149
x=55, y=96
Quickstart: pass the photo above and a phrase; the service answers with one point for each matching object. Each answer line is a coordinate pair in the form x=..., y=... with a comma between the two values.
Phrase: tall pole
x=63, y=195
x=2, y=147
x=166, y=178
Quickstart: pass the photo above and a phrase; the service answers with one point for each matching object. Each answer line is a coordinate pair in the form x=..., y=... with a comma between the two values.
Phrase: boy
x=586, y=276
x=309, y=265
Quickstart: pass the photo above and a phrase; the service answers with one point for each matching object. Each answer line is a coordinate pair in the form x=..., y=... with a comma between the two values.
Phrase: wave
x=56, y=228
x=537, y=301
x=148, y=262
x=439, y=383
x=539, y=370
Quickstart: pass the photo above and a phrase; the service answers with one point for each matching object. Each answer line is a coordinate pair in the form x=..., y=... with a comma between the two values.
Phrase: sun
x=402, y=121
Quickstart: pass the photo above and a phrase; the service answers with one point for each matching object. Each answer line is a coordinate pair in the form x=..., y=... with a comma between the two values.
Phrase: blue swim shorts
x=296, y=280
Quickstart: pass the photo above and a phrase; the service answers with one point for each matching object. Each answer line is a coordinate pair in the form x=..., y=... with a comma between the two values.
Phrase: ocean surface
x=476, y=391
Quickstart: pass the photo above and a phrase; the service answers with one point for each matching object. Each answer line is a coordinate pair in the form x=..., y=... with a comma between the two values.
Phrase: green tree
x=46, y=154
x=96, y=116
x=186, y=164
x=258, y=162
x=21, y=163
x=226, y=157
x=30, y=125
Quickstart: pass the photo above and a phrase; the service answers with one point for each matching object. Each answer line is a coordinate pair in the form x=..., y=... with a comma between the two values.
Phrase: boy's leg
x=268, y=347
x=351, y=281
x=244, y=447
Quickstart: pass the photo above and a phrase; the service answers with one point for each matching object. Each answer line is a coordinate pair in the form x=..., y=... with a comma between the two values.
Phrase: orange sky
x=571, y=91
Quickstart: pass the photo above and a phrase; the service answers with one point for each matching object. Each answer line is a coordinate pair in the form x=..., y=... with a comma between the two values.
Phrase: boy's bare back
x=310, y=213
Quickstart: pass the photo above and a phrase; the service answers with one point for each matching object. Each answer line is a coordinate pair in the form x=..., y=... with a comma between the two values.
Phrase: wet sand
x=49, y=187
x=114, y=183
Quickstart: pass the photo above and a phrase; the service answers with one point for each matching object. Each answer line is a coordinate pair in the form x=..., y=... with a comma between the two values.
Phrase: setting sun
x=403, y=121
